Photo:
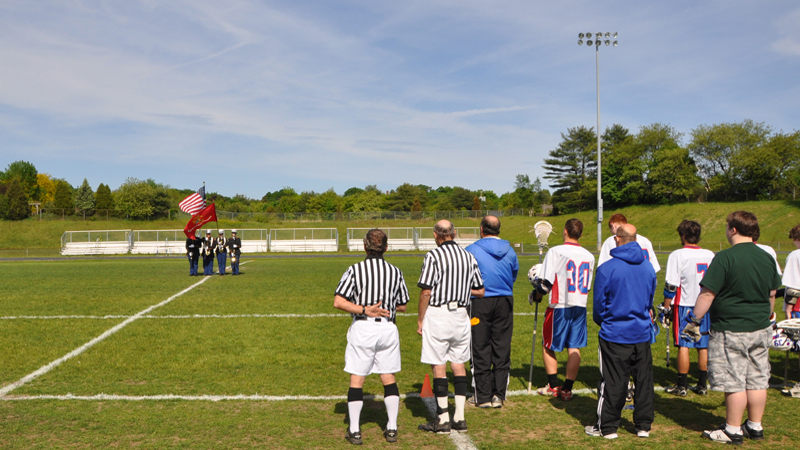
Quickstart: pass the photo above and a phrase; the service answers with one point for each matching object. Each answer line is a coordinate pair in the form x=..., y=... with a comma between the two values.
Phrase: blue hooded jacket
x=623, y=295
x=498, y=264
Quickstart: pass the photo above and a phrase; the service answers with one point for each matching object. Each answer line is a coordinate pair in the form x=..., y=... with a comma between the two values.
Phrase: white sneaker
x=721, y=435
x=592, y=430
x=643, y=434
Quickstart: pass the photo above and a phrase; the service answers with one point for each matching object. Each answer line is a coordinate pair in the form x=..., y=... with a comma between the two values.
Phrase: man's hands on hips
x=376, y=311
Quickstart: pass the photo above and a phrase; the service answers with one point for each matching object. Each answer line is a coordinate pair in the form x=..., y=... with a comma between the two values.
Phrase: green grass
x=274, y=356
x=658, y=223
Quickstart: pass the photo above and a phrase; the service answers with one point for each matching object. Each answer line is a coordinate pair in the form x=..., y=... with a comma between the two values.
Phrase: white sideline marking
x=201, y=316
x=258, y=397
x=48, y=367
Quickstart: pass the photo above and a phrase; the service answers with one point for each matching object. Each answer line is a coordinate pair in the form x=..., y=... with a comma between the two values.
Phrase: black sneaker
x=675, y=389
x=353, y=438
x=700, y=390
x=434, y=426
x=460, y=426
x=720, y=434
x=390, y=435
x=756, y=435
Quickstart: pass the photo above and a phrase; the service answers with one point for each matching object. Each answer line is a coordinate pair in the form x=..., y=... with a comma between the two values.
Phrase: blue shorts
x=795, y=315
x=564, y=328
x=679, y=321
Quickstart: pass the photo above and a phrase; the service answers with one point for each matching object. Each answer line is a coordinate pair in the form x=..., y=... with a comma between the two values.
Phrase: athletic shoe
x=473, y=400
x=629, y=395
x=547, y=391
x=720, y=434
x=675, y=389
x=460, y=426
x=497, y=402
x=390, y=435
x=592, y=430
x=700, y=390
x=566, y=395
x=435, y=427
x=643, y=434
x=486, y=405
x=756, y=435
x=353, y=438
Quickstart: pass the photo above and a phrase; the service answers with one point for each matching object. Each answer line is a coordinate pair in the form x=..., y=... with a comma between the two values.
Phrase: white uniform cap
x=208, y=231
x=233, y=231
x=221, y=231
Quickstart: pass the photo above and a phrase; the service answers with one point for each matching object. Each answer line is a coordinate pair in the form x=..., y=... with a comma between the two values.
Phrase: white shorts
x=446, y=336
x=372, y=347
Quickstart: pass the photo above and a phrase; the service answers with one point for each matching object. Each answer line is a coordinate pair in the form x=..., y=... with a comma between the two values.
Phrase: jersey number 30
x=578, y=277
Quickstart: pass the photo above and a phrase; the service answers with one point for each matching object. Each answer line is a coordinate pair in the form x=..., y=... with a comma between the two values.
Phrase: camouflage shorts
x=739, y=361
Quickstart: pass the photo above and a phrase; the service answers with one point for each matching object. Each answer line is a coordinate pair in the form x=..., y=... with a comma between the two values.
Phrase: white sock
x=459, y=414
x=445, y=416
x=754, y=425
x=733, y=430
x=354, y=411
x=392, y=403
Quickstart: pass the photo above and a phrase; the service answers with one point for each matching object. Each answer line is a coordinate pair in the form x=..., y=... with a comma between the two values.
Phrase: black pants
x=491, y=346
x=618, y=362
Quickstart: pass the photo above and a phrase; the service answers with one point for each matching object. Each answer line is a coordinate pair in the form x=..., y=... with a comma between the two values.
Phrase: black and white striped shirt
x=372, y=281
x=450, y=272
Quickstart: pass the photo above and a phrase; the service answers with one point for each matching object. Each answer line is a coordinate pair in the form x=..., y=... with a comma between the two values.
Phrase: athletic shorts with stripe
x=564, y=328
x=679, y=315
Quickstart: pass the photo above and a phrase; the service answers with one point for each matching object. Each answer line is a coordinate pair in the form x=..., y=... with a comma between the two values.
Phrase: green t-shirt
x=742, y=277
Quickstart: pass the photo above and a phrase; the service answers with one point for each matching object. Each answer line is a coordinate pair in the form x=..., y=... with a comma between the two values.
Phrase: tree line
x=21, y=185
x=722, y=162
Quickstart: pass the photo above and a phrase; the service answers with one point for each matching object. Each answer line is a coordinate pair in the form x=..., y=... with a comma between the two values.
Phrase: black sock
x=460, y=385
x=568, y=385
x=355, y=394
x=552, y=380
x=391, y=389
x=703, y=378
x=440, y=390
x=683, y=379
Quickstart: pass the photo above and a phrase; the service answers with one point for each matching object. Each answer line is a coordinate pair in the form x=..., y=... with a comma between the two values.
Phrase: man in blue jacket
x=493, y=315
x=623, y=300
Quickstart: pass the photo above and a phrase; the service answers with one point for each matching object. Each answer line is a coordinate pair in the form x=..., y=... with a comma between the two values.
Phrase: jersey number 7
x=578, y=277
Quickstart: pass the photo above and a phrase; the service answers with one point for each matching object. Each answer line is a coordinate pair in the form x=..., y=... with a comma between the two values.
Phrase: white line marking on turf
x=461, y=441
x=200, y=316
x=48, y=367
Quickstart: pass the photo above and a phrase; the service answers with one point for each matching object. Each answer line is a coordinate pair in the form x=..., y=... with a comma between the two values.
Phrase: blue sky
x=253, y=96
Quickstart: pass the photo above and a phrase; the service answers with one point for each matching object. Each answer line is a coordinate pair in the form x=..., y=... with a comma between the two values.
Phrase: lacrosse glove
x=691, y=332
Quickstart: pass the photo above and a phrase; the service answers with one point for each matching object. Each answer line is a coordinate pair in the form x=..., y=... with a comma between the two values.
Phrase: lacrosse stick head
x=791, y=328
x=542, y=229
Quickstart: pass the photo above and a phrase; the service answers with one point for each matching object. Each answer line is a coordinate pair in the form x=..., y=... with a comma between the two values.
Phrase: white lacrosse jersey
x=772, y=253
x=569, y=269
x=685, y=269
x=791, y=274
x=647, y=247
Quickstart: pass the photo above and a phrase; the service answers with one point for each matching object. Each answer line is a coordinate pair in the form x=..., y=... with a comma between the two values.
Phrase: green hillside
x=656, y=222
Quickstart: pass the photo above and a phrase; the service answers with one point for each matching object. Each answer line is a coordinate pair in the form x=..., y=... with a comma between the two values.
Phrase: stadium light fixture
x=596, y=44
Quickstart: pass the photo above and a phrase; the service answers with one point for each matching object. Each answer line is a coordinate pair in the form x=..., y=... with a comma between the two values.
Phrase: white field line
x=202, y=316
x=256, y=397
x=461, y=441
x=48, y=367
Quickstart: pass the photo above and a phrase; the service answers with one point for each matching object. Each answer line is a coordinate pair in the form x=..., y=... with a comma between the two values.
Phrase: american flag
x=195, y=202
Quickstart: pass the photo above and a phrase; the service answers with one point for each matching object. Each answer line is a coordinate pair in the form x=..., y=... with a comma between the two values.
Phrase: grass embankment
x=658, y=223
x=176, y=352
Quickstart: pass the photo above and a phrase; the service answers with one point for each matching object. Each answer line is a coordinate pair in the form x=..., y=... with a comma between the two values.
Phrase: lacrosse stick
x=542, y=230
x=665, y=311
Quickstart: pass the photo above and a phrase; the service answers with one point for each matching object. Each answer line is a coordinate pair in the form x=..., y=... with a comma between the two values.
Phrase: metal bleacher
x=96, y=242
x=303, y=240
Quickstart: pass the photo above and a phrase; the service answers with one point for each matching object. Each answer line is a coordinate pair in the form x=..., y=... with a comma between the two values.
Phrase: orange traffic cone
x=427, y=392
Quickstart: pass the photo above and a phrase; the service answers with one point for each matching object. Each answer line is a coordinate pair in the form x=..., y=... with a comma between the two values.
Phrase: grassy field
x=658, y=223
x=271, y=332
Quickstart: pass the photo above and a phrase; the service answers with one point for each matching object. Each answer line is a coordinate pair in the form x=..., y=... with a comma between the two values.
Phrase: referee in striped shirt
x=372, y=291
x=450, y=275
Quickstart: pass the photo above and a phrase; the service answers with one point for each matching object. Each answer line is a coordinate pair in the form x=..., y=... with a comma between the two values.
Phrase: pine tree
x=18, y=207
x=103, y=199
x=85, y=198
x=63, y=197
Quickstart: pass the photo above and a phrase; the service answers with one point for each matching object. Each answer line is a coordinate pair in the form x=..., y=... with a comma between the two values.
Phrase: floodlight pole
x=599, y=166
x=597, y=42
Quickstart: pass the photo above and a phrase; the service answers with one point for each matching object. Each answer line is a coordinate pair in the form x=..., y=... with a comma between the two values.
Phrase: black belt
x=376, y=319
x=445, y=306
